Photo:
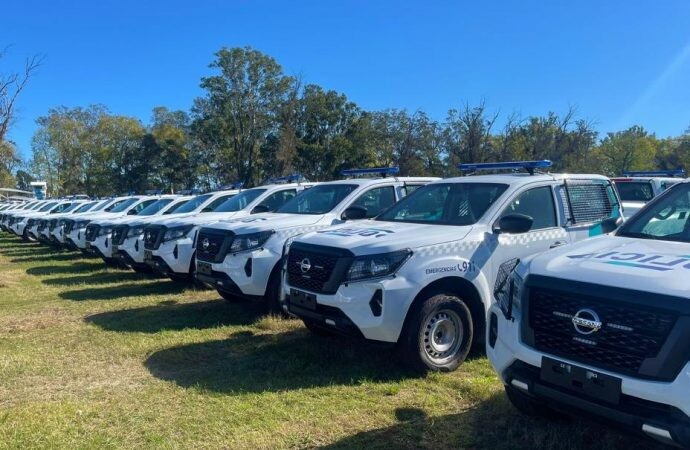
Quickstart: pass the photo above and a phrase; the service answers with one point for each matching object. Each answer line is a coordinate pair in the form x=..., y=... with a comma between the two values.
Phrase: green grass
x=96, y=357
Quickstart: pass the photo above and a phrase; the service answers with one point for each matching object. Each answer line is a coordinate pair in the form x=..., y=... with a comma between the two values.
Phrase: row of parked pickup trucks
x=579, y=309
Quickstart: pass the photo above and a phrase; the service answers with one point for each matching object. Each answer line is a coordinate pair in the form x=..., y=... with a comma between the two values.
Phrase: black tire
x=229, y=296
x=316, y=329
x=272, y=296
x=438, y=334
x=527, y=405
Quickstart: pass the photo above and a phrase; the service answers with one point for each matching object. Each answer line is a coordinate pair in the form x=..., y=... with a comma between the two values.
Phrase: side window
x=216, y=203
x=278, y=199
x=376, y=200
x=536, y=203
x=588, y=201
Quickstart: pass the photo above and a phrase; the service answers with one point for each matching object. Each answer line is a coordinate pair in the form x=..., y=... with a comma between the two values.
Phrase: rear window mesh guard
x=586, y=201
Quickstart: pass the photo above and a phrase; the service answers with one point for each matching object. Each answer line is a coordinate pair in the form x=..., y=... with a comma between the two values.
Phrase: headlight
x=105, y=230
x=177, y=233
x=244, y=242
x=136, y=231
x=376, y=266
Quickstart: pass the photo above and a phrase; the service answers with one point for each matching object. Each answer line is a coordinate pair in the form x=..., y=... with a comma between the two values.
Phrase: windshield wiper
x=637, y=235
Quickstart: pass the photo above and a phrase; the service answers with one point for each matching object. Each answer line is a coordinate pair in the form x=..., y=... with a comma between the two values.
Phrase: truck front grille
x=119, y=234
x=316, y=268
x=92, y=232
x=212, y=244
x=629, y=335
x=153, y=236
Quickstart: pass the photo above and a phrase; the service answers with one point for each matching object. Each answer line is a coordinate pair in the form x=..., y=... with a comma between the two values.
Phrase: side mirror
x=354, y=213
x=132, y=212
x=514, y=224
x=610, y=224
x=258, y=209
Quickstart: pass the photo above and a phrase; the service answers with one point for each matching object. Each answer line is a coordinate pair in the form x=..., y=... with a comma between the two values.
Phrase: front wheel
x=438, y=334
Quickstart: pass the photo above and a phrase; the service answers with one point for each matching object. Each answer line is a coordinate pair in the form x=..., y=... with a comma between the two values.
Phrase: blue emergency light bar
x=655, y=173
x=154, y=192
x=529, y=166
x=232, y=186
x=189, y=192
x=383, y=171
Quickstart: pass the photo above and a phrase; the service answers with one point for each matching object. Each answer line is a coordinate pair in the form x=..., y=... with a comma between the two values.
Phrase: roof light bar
x=189, y=192
x=383, y=171
x=293, y=178
x=232, y=186
x=655, y=173
x=529, y=166
x=154, y=192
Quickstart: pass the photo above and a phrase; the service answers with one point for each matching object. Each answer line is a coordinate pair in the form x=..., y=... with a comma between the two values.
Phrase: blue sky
x=620, y=62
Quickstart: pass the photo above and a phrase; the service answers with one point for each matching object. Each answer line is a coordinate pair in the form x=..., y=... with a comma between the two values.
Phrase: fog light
x=376, y=303
x=248, y=267
x=493, y=330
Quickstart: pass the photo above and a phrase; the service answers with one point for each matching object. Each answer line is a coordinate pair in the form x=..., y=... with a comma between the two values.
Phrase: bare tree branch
x=10, y=87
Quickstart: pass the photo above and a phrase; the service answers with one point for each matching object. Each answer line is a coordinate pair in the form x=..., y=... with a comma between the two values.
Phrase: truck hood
x=199, y=219
x=640, y=264
x=371, y=237
x=268, y=221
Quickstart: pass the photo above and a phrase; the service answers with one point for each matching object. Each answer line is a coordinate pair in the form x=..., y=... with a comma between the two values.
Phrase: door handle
x=557, y=244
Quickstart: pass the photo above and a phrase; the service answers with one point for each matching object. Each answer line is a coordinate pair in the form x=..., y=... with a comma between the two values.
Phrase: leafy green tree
x=239, y=110
x=632, y=149
x=24, y=180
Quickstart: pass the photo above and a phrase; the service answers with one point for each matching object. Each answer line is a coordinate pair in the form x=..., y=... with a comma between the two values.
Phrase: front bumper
x=357, y=303
x=78, y=238
x=659, y=407
x=104, y=246
x=133, y=247
x=173, y=257
x=248, y=271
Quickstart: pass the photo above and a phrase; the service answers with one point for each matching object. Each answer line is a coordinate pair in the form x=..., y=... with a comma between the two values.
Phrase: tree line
x=254, y=122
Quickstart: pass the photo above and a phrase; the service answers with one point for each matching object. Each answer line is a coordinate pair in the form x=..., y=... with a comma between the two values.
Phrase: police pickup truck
x=421, y=275
x=637, y=188
x=26, y=225
x=170, y=244
x=57, y=225
x=49, y=222
x=241, y=258
x=126, y=242
x=75, y=227
x=602, y=327
x=9, y=213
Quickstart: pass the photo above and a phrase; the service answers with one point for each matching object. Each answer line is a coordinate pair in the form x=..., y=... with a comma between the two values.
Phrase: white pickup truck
x=241, y=258
x=602, y=328
x=637, y=188
x=421, y=274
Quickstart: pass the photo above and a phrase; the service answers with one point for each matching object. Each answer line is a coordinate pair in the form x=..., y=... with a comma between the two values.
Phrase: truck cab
x=601, y=328
x=420, y=275
x=637, y=188
x=241, y=258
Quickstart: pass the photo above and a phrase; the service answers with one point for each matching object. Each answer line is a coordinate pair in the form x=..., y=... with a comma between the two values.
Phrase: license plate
x=302, y=299
x=148, y=256
x=581, y=381
x=204, y=268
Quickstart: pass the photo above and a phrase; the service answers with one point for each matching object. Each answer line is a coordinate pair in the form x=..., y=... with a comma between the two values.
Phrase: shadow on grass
x=79, y=267
x=123, y=291
x=494, y=424
x=47, y=257
x=96, y=278
x=274, y=362
x=171, y=316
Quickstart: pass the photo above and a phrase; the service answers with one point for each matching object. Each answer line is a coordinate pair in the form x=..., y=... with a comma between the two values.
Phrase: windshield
x=635, y=191
x=72, y=207
x=47, y=207
x=155, y=207
x=85, y=207
x=445, y=204
x=318, y=200
x=124, y=205
x=174, y=208
x=667, y=219
x=239, y=201
x=194, y=204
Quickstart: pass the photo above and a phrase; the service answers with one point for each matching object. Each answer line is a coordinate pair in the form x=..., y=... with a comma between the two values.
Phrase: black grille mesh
x=119, y=234
x=92, y=232
x=320, y=269
x=629, y=334
x=211, y=246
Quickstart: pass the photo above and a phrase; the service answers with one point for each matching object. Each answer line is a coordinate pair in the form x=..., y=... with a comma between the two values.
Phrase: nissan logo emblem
x=205, y=244
x=305, y=265
x=586, y=321
x=148, y=236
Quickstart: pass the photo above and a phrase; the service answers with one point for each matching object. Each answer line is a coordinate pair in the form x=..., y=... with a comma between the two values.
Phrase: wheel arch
x=460, y=287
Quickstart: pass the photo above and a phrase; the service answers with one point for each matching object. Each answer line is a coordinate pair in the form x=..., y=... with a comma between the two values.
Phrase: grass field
x=96, y=357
